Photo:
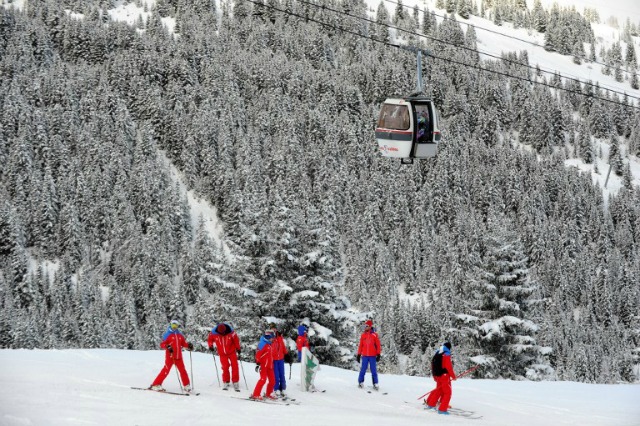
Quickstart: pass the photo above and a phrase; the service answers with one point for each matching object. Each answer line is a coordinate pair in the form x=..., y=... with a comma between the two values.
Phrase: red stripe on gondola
x=404, y=132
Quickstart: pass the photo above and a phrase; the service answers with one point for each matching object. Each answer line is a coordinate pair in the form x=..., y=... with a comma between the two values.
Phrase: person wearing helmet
x=302, y=341
x=264, y=364
x=369, y=351
x=228, y=345
x=172, y=342
x=279, y=349
x=443, y=374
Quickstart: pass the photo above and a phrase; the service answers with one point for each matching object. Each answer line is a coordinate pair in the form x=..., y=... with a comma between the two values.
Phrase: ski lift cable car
x=408, y=126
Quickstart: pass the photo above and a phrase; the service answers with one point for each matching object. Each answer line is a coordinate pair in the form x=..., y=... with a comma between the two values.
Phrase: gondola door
x=426, y=133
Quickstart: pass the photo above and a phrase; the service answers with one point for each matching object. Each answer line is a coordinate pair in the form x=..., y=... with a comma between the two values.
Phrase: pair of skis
x=284, y=401
x=173, y=393
x=374, y=390
x=279, y=401
x=168, y=392
x=464, y=413
x=458, y=412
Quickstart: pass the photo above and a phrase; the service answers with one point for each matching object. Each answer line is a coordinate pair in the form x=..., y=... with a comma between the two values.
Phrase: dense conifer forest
x=494, y=244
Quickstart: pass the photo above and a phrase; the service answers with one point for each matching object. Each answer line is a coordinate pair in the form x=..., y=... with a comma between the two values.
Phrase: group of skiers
x=272, y=354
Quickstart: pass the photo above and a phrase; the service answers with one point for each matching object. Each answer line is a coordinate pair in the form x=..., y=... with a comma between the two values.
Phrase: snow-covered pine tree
x=540, y=17
x=380, y=31
x=464, y=9
x=506, y=334
x=585, y=145
x=615, y=158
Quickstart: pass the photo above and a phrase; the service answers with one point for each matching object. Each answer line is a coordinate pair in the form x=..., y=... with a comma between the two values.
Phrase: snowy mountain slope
x=488, y=42
x=618, y=9
x=506, y=38
x=66, y=387
x=548, y=61
x=199, y=209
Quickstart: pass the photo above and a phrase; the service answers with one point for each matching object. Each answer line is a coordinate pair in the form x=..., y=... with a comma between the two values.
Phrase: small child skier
x=264, y=361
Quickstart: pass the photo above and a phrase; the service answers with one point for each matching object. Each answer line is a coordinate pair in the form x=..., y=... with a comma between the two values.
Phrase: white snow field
x=92, y=387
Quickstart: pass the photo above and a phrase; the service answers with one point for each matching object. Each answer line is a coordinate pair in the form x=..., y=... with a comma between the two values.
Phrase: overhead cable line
x=413, y=33
x=511, y=37
x=328, y=25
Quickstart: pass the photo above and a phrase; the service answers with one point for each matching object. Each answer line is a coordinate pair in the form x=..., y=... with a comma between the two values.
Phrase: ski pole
x=469, y=371
x=191, y=368
x=216, y=364
x=243, y=376
x=173, y=356
x=178, y=376
x=422, y=396
x=290, y=364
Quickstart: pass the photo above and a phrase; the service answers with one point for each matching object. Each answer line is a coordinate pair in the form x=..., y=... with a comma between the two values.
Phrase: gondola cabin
x=408, y=128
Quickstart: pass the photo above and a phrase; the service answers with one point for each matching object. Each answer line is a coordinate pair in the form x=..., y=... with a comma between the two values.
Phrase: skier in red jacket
x=279, y=349
x=264, y=361
x=369, y=350
x=173, y=341
x=443, y=374
x=228, y=345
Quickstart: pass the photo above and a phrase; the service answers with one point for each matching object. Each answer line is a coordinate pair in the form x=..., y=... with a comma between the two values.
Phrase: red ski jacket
x=278, y=348
x=446, y=364
x=264, y=356
x=225, y=343
x=302, y=342
x=177, y=342
x=369, y=344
